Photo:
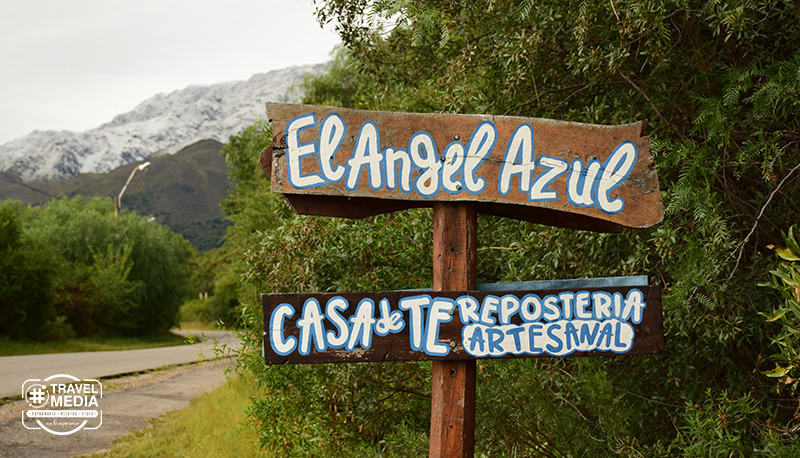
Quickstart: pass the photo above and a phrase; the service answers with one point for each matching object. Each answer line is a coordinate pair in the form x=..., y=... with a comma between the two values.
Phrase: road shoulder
x=128, y=402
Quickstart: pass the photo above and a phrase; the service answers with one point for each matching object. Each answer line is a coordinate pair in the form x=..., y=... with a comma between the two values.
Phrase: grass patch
x=215, y=424
x=198, y=326
x=10, y=347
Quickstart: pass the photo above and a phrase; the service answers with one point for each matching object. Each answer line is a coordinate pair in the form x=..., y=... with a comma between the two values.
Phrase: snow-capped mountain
x=162, y=124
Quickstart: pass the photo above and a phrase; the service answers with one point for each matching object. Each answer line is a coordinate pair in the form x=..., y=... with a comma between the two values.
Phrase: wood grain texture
x=453, y=390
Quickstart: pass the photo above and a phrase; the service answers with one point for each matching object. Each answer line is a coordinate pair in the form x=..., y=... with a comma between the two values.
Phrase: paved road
x=14, y=370
x=124, y=410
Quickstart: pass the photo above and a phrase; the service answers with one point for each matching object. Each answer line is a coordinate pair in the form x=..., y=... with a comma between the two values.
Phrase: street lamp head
x=117, y=201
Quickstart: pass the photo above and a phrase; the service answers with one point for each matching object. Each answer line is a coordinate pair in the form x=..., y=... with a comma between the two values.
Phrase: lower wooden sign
x=449, y=325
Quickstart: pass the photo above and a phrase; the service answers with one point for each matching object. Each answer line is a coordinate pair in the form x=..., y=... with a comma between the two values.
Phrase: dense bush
x=719, y=83
x=26, y=279
x=786, y=279
x=86, y=271
x=221, y=307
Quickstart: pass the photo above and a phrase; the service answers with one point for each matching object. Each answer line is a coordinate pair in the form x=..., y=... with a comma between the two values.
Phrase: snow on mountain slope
x=162, y=124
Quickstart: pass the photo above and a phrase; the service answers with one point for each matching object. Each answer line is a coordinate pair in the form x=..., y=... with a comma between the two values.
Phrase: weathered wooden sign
x=414, y=325
x=355, y=163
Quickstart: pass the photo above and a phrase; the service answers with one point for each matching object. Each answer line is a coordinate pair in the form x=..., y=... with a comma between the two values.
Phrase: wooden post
x=453, y=382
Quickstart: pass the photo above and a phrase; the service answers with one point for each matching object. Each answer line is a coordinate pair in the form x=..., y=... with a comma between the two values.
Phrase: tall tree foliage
x=72, y=264
x=26, y=278
x=719, y=83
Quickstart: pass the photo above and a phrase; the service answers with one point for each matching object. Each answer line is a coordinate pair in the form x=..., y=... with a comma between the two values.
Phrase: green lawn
x=14, y=347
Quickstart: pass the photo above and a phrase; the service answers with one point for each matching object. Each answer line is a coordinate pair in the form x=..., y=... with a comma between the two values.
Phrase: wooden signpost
x=355, y=163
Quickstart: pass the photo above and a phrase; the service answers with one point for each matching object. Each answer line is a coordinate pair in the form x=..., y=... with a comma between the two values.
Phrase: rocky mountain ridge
x=162, y=124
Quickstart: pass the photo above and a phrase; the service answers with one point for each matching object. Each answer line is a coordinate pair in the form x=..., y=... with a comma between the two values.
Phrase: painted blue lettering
x=623, y=337
x=554, y=344
x=571, y=335
x=534, y=331
x=618, y=336
x=476, y=340
x=606, y=333
x=515, y=331
x=589, y=332
x=495, y=338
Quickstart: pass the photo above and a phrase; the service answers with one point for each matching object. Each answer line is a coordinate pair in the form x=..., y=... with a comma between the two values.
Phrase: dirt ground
x=127, y=403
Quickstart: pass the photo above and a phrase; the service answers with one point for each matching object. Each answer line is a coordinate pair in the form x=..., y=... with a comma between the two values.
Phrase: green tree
x=115, y=277
x=26, y=279
x=252, y=209
x=719, y=84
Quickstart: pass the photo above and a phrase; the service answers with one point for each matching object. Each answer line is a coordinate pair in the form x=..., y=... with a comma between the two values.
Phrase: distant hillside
x=182, y=191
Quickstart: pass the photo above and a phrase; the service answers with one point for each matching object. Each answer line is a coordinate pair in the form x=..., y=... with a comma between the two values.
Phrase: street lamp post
x=118, y=199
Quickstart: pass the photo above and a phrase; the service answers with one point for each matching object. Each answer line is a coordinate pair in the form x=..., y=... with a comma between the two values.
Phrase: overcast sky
x=75, y=64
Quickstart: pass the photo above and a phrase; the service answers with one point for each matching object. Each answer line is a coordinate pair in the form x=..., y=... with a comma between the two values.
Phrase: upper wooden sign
x=356, y=163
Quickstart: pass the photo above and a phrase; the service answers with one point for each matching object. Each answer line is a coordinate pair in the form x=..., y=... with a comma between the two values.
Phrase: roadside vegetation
x=214, y=424
x=10, y=347
x=69, y=269
x=718, y=83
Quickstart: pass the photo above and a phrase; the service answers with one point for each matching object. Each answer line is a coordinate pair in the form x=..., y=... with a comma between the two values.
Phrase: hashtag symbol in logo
x=36, y=396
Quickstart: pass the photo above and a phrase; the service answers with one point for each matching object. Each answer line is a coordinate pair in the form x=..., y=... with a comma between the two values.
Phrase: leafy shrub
x=58, y=330
x=72, y=259
x=786, y=279
x=719, y=83
x=194, y=310
x=26, y=278
x=223, y=305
